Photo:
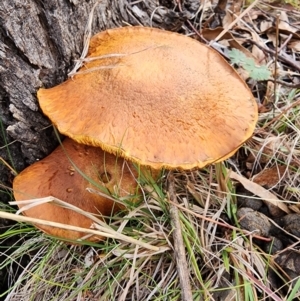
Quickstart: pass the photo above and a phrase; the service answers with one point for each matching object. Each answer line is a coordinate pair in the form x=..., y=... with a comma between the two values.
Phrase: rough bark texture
x=39, y=41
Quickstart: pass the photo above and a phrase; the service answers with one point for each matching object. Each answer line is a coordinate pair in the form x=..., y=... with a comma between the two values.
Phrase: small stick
x=281, y=58
x=276, y=55
x=225, y=30
x=278, y=81
x=179, y=250
x=8, y=166
x=285, y=43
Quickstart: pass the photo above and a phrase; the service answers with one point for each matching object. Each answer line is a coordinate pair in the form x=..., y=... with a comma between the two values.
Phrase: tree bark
x=39, y=41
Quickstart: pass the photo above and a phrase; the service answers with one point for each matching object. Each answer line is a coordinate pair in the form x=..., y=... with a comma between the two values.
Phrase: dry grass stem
x=116, y=235
x=87, y=38
x=246, y=11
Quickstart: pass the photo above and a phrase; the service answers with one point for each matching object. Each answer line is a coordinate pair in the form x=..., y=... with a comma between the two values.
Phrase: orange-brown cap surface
x=56, y=176
x=155, y=97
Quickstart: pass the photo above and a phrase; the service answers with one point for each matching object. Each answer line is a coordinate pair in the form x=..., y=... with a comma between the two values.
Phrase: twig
x=285, y=43
x=233, y=22
x=283, y=83
x=280, y=57
x=179, y=250
x=276, y=55
x=8, y=166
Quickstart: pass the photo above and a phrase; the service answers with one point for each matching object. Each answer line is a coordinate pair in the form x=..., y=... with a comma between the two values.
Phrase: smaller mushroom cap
x=155, y=97
x=56, y=176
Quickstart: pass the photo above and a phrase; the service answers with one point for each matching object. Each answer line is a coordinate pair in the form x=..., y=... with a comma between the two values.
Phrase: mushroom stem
x=179, y=250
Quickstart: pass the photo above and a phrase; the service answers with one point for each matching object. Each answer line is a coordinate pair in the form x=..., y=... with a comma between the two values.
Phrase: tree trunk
x=39, y=41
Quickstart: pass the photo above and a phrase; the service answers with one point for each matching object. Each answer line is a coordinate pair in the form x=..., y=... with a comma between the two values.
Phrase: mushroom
x=65, y=174
x=155, y=97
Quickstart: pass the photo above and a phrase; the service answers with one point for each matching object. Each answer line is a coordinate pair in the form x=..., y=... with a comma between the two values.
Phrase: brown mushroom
x=57, y=176
x=155, y=97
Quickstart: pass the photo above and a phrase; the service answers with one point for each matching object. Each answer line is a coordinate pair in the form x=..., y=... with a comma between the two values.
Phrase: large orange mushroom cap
x=56, y=176
x=155, y=97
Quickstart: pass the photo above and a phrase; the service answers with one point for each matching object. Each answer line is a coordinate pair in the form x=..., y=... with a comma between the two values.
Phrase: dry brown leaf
x=289, y=31
x=219, y=13
x=236, y=6
x=272, y=37
x=265, y=25
x=227, y=20
x=295, y=46
x=233, y=8
x=212, y=34
x=256, y=189
x=221, y=6
x=269, y=177
x=252, y=15
x=265, y=107
x=282, y=32
x=236, y=21
x=294, y=208
x=284, y=22
x=269, y=93
x=259, y=55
